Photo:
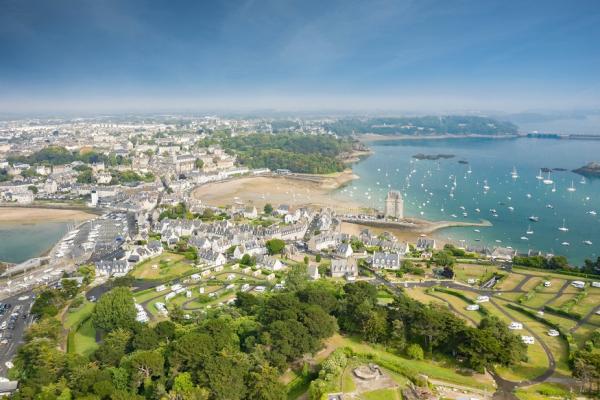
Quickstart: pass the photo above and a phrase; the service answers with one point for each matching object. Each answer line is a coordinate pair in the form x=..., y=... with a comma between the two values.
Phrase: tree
x=247, y=259
x=144, y=365
x=115, y=309
x=268, y=209
x=199, y=164
x=263, y=384
x=318, y=258
x=225, y=375
x=415, y=352
x=275, y=246
x=113, y=347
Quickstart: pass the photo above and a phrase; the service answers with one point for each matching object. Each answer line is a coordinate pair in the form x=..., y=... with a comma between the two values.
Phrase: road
x=14, y=336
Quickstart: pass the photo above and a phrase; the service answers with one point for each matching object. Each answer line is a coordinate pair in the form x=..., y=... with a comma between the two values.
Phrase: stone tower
x=394, y=205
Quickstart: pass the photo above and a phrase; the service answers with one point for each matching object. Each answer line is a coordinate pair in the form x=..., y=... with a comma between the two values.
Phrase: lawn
x=83, y=341
x=382, y=394
x=165, y=267
x=532, y=284
x=557, y=345
x=510, y=282
x=460, y=305
x=542, y=391
x=419, y=294
x=464, y=272
x=587, y=304
x=539, y=299
x=393, y=362
x=74, y=317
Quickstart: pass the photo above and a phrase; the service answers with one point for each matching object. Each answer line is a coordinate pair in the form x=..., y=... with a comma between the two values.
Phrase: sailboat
x=554, y=188
x=514, y=173
x=563, y=228
x=485, y=185
x=469, y=170
x=529, y=230
x=548, y=181
x=587, y=242
x=539, y=176
x=571, y=188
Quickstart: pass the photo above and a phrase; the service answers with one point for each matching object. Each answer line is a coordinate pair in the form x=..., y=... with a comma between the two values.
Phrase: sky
x=430, y=55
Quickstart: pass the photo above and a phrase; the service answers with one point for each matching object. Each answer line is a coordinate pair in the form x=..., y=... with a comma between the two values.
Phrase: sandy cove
x=295, y=190
x=32, y=214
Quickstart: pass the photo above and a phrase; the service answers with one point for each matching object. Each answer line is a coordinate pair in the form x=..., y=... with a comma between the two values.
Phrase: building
x=381, y=260
x=394, y=205
x=425, y=244
x=343, y=268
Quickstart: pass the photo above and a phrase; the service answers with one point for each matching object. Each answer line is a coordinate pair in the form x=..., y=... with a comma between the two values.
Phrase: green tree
x=275, y=246
x=199, y=164
x=263, y=384
x=113, y=347
x=115, y=309
x=268, y=209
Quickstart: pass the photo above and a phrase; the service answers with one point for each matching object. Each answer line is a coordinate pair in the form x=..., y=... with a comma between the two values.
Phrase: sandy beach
x=294, y=190
x=31, y=215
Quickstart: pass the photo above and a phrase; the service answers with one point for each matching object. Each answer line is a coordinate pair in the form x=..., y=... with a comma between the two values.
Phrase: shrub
x=415, y=352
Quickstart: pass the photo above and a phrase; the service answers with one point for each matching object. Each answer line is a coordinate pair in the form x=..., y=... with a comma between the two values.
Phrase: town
x=155, y=226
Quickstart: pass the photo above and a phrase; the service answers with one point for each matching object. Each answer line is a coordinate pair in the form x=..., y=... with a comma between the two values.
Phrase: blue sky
x=381, y=54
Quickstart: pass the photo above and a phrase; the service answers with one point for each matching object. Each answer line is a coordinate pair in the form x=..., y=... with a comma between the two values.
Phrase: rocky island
x=422, y=156
x=590, y=169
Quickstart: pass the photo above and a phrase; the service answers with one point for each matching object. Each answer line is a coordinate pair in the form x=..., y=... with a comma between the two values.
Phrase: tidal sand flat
x=296, y=190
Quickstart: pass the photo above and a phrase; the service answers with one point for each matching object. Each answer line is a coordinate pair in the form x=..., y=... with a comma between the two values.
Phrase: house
x=323, y=241
x=343, y=268
x=383, y=260
x=112, y=267
x=313, y=272
x=425, y=244
x=250, y=212
x=283, y=209
x=270, y=263
x=344, y=250
x=212, y=258
x=201, y=243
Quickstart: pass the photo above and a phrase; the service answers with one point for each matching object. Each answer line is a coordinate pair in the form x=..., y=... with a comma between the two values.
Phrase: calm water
x=427, y=190
x=19, y=242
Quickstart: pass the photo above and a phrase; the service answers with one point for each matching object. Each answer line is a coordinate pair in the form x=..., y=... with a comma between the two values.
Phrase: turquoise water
x=427, y=190
x=20, y=241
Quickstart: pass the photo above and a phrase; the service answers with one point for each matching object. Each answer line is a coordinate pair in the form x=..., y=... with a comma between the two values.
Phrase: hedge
x=559, y=311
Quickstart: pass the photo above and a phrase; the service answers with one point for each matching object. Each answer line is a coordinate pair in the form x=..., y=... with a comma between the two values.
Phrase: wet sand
x=294, y=190
x=26, y=215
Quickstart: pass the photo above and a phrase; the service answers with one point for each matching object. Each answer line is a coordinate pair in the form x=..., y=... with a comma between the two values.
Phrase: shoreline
x=374, y=137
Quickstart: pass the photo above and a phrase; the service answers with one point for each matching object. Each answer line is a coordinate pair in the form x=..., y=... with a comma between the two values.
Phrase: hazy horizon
x=424, y=56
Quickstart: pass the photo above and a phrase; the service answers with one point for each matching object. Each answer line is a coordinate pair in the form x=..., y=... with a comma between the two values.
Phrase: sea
x=478, y=184
x=22, y=241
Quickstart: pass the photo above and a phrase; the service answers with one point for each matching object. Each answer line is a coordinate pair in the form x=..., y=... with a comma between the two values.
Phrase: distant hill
x=424, y=126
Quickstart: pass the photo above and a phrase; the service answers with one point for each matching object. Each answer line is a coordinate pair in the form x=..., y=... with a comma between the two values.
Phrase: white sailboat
x=529, y=230
x=514, y=173
x=571, y=188
x=539, y=176
x=548, y=181
x=554, y=188
x=485, y=185
x=563, y=228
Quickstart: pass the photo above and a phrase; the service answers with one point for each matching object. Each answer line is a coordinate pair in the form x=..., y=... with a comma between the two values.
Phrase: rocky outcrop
x=591, y=169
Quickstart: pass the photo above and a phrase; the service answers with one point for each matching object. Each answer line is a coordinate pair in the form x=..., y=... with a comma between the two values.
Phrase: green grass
x=72, y=318
x=168, y=266
x=464, y=272
x=348, y=380
x=396, y=363
x=542, y=391
x=382, y=394
x=298, y=386
x=460, y=305
x=84, y=339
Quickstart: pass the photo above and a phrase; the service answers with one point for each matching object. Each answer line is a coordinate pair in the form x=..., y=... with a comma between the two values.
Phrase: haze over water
x=427, y=190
